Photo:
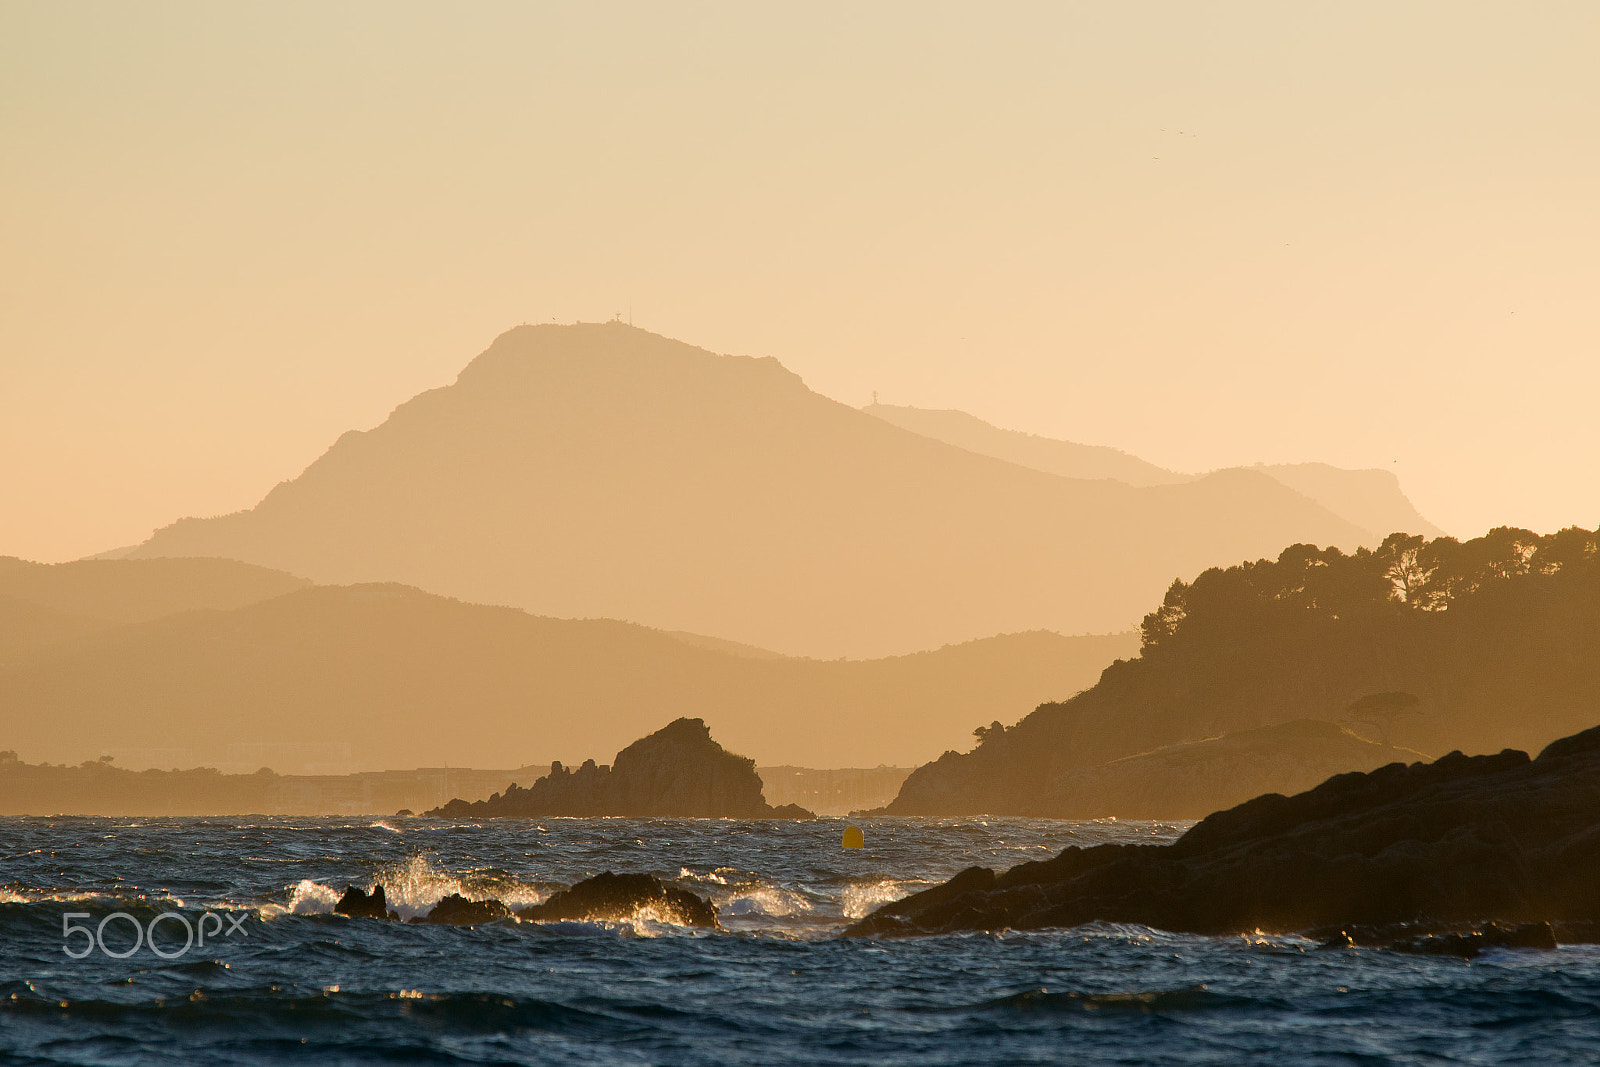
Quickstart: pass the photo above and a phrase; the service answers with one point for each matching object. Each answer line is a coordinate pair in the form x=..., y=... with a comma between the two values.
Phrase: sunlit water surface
x=286, y=979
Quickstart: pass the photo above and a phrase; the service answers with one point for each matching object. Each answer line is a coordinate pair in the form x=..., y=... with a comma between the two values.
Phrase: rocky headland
x=1189, y=781
x=1427, y=645
x=1362, y=858
x=676, y=772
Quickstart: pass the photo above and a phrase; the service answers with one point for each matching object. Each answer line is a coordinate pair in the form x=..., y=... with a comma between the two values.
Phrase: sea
x=213, y=941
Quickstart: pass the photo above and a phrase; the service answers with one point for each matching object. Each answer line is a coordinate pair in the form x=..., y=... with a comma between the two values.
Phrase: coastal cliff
x=1462, y=840
x=678, y=771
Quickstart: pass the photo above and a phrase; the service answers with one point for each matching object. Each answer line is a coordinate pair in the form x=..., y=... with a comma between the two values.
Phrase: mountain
x=597, y=470
x=1066, y=458
x=1370, y=499
x=1431, y=645
x=376, y=676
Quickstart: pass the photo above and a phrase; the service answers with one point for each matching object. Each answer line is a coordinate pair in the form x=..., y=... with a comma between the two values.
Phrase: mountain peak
x=602, y=470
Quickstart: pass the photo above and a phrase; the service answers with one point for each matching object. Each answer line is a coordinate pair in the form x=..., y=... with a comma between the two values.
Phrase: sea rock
x=1462, y=840
x=678, y=771
x=790, y=811
x=359, y=905
x=621, y=896
x=457, y=910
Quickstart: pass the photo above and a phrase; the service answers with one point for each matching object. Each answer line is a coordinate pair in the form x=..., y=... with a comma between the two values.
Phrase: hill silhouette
x=401, y=678
x=597, y=470
x=113, y=591
x=1371, y=499
x=1432, y=645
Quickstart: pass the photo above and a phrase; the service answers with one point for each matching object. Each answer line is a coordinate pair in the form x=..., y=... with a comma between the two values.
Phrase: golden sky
x=1206, y=233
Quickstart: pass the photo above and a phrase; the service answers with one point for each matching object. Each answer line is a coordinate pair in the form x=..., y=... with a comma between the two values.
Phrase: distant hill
x=121, y=590
x=1370, y=499
x=597, y=470
x=1430, y=645
x=395, y=677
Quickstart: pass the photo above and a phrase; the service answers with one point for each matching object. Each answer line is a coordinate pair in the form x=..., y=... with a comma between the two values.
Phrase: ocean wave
x=765, y=901
x=1151, y=1002
x=415, y=886
x=861, y=898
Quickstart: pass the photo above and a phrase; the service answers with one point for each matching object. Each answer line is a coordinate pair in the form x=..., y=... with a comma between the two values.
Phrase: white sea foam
x=411, y=890
x=310, y=898
x=769, y=901
x=862, y=897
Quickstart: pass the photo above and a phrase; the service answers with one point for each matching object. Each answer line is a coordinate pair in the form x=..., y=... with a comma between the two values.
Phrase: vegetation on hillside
x=1431, y=644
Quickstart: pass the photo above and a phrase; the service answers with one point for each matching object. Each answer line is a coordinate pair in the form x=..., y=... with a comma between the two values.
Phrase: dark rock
x=678, y=771
x=1453, y=843
x=403, y=813
x=619, y=897
x=457, y=910
x=1469, y=944
x=359, y=905
x=791, y=811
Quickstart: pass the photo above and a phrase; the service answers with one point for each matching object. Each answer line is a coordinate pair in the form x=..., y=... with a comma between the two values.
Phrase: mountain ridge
x=401, y=677
x=599, y=470
x=1371, y=499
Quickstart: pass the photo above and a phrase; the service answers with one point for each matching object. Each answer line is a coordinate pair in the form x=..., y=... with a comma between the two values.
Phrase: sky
x=1209, y=234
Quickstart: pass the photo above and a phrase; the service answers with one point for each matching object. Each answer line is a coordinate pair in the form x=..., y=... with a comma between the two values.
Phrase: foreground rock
x=619, y=897
x=678, y=771
x=1462, y=840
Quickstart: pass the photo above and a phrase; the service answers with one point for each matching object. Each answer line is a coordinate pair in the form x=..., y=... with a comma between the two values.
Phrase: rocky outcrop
x=360, y=905
x=608, y=896
x=619, y=897
x=457, y=910
x=1461, y=840
x=678, y=771
x=1188, y=781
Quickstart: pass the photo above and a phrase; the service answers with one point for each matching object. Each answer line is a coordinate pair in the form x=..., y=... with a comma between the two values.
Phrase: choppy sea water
x=280, y=978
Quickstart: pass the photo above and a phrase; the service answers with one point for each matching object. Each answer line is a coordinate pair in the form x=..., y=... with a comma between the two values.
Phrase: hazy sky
x=1208, y=234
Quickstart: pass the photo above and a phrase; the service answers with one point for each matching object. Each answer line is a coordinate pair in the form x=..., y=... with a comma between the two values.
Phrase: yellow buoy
x=853, y=838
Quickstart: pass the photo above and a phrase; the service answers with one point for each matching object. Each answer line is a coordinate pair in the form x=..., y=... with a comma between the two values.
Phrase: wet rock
x=359, y=905
x=619, y=897
x=1469, y=944
x=457, y=910
x=1457, y=842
